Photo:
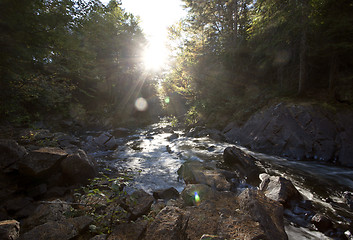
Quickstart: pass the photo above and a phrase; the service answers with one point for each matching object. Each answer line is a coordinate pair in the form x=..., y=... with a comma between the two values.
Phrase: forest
x=229, y=58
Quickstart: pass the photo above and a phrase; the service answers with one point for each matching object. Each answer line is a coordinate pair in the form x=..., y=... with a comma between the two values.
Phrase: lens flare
x=167, y=100
x=197, y=198
x=141, y=104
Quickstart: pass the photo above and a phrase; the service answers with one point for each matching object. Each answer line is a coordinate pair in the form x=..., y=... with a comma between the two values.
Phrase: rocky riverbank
x=45, y=192
x=298, y=132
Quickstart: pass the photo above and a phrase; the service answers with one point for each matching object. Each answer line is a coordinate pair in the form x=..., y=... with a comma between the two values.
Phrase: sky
x=155, y=17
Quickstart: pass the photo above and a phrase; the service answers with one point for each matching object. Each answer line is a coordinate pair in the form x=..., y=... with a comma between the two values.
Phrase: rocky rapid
x=181, y=184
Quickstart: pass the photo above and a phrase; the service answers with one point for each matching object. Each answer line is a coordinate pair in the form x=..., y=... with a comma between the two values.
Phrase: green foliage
x=232, y=57
x=103, y=199
x=55, y=54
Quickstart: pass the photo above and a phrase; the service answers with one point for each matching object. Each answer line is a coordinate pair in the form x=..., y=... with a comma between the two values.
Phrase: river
x=153, y=159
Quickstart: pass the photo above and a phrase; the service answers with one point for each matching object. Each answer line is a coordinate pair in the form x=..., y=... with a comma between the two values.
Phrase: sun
x=155, y=55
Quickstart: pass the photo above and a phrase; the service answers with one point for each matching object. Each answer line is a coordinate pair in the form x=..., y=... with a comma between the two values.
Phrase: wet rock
x=348, y=199
x=244, y=163
x=11, y=153
x=121, y=132
x=128, y=231
x=106, y=141
x=279, y=189
x=78, y=168
x=321, y=222
x=51, y=230
x=193, y=132
x=9, y=230
x=41, y=163
x=166, y=194
x=193, y=194
x=173, y=137
x=196, y=172
x=140, y=203
x=170, y=223
x=66, y=141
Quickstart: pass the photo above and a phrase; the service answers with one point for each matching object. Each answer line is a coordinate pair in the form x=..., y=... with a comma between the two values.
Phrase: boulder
x=170, y=223
x=214, y=134
x=15, y=204
x=42, y=163
x=166, y=194
x=128, y=231
x=78, y=168
x=9, y=230
x=244, y=163
x=51, y=211
x=51, y=230
x=81, y=223
x=321, y=222
x=279, y=189
x=106, y=141
x=298, y=132
x=196, y=172
x=11, y=153
x=173, y=137
x=248, y=216
x=120, y=132
x=37, y=191
x=266, y=212
x=139, y=203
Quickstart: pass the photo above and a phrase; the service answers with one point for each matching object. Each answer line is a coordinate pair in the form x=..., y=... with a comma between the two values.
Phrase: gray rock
x=121, y=132
x=106, y=141
x=17, y=203
x=41, y=163
x=268, y=213
x=170, y=223
x=298, y=132
x=279, y=189
x=51, y=211
x=196, y=172
x=128, y=231
x=166, y=194
x=244, y=163
x=63, y=230
x=9, y=230
x=321, y=222
x=140, y=203
x=37, y=190
x=78, y=168
x=11, y=153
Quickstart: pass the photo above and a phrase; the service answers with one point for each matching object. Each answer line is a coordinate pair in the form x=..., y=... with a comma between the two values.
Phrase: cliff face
x=298, y=132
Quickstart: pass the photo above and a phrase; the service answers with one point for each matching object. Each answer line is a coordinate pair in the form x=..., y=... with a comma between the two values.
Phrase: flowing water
x=154, y=160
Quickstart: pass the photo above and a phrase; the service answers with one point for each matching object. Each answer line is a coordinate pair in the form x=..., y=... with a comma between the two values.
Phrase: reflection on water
x=154, y=161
